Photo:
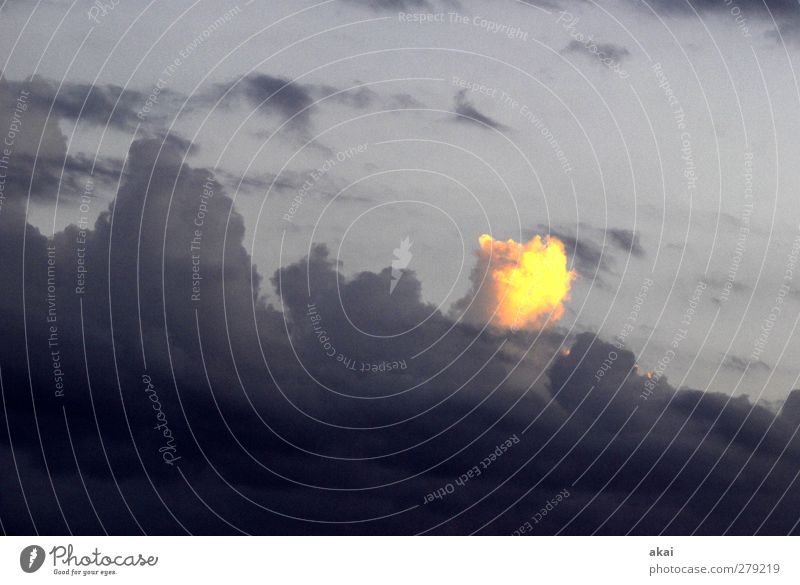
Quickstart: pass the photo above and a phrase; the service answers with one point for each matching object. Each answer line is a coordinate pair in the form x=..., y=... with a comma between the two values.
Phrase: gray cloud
x=785, y=12
x=609, y=50
x=290, y=99
x=102, y=105
x=786, y=30
x=270, y=94
x=357, y=98
x=739, y=364
x=758, y=7
x=585, y=245
x=392, y=5
x=627, y=240
x=468, y=114
x=405, y=100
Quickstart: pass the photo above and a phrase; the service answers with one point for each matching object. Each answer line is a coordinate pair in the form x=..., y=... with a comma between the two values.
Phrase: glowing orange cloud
x=530, y=281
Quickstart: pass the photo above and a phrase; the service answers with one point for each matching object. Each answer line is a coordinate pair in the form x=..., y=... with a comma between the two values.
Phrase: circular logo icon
x=31, y=558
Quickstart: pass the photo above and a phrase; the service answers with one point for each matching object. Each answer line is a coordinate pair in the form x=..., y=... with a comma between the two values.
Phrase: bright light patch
x=530, y=281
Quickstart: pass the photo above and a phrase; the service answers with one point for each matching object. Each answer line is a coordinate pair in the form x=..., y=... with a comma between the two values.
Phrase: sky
x=248, y=285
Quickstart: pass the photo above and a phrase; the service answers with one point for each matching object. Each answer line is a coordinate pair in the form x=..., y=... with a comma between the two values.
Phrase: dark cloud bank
x=267, y=433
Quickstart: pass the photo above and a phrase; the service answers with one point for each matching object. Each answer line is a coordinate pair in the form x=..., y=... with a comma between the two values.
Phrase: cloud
x=742, y=365
x=467, y=113
x=588, y=255
x=790, y=410
x=358, y=98
x=785, y=12
x=269, y=94
x=608, y=50
x=39, y=164
x=103, y=105
x=289, y=181
x=588, y=246
x=37, y=159
x=584, y=252
x=754, y=7
x=405, y=100
x=392, y=5
x=287, y=98
x=786, y=30
x=627, y=240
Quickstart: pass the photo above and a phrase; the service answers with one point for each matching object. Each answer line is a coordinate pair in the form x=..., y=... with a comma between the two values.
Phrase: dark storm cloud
x=174, y=220
x=469, y=114
x=263, y=417
x=679, y=440
x=608, y=50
